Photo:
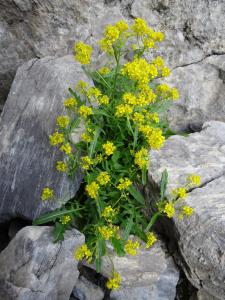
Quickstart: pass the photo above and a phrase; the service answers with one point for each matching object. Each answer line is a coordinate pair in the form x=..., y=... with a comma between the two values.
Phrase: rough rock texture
x=194, y=29
x=150, y=274
x=31, y=28
x=27, y=161
x=202, y=93
x=34, y=268
x=85, y=290
x=201, y=239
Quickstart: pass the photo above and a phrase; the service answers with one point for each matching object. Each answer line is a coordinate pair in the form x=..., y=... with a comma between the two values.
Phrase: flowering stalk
x=113, y=150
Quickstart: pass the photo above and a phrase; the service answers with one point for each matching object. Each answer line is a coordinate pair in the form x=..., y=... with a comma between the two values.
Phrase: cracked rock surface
x=27, y=160
x=35, y=268
x=201, y=239
x=150, y=274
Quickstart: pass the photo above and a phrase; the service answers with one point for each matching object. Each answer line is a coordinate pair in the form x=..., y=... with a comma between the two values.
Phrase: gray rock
x=34, y=268
x=193, y=29
x=202, y=295
x=27, y=161
x=201, y=239
x=202, y=94
x=151, y=274
x=30, y=29
x=85, y=290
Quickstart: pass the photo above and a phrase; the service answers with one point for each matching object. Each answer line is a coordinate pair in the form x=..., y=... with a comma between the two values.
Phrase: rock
x=35, y=268
x=202, y=295
x=202, y=94
x=201, y=239
x=85, y=290
x=27, y=161
x=31, y=29
x=150, y=274
x=193, y=30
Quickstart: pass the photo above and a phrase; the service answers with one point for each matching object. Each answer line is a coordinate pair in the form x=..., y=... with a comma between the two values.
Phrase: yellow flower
x=121, y=26
x=158, y=62
x=99, y=158
x=86, y=137
x=139, y=27
x=65, y=219
x=156, y=139
x=47, y=193
x=103, y=178
x=131, y=247
x=63, y=121
x=104, y=100
x=81, y=86
x=61, y=166
x=165, y=92
x=140, y=70
x=104, y=70
x=83, y=252
x=56, y=138
x=114, y=282
x=108, y=231
x=123, y=110
x=165, y=71
x=169, y=210
x=70, y=103
x=141, y=158
x=93, y=92
x=180, y=192
x=153, y=136
x=106, y=46
x=138, y=118
x=129, y=98
x=83, y=53
x=111, y=33
x=187, y=210
x=92, y=189
x=86, y=162
x=153, y=117
x=151, y=239
x=109, y=148
x=194, y=179
x=148, y=43
x=108, y=213
x=158, y=36
x=66, y=148
x=85, y=111
x=174, y=94
x=124, y=183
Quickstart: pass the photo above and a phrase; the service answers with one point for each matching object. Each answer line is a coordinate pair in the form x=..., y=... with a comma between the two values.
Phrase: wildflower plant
x=121, y=116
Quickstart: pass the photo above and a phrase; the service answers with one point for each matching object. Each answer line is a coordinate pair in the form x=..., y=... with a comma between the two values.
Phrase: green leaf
x=128, y=228
x=100, y=251
x=52, y=216
x=94, y=141
x=152, y=221
x=58, y=232
x=136, y=194
x=118, y=246
x=144, y=175
x=163, y=184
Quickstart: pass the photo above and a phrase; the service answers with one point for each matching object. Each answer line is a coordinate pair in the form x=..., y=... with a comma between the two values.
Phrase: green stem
x=152, y=221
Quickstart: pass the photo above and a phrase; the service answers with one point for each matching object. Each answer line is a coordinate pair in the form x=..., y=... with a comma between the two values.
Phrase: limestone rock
x=27, y=161
x=150, y=274
x=34, y=268
x=193, y=29
x=85, y=290
x=201, y=239
x=31, y=29
x=202, y=94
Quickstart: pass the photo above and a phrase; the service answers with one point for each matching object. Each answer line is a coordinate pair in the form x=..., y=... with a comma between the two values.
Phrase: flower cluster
x=120, y=119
